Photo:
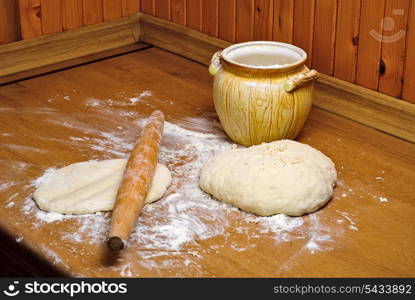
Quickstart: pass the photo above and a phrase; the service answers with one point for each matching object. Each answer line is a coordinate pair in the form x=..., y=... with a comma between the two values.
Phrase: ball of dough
x=89, y=187
x=282, y=177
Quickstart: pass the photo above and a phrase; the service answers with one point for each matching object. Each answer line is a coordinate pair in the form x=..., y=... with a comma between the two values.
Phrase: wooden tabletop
x=95, y=111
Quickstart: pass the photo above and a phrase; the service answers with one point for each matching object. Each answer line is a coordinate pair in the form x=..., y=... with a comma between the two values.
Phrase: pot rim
x=274, y=67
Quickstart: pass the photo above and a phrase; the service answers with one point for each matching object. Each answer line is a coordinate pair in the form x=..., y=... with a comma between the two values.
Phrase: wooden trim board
x=73, y=62
x=48, y=53
x=382, y=112
x=56, y=48
x=179, y=39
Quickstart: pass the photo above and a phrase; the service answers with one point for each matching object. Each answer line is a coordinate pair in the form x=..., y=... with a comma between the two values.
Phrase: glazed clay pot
x=262, y=91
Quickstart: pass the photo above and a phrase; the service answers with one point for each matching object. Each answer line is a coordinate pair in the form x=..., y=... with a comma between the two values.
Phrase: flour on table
x=6, y=185
x=383, y=199
x=144, y=94
x=186, y=214
x=168, y=233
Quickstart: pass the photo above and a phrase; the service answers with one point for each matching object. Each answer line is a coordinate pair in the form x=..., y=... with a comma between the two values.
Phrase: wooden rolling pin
x=136, y=181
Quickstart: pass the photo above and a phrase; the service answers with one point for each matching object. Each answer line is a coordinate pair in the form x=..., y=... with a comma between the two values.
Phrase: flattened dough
x=89, y=187
x=283, y=177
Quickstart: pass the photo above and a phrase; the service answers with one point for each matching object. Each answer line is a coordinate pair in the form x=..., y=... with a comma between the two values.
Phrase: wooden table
x=93, y=111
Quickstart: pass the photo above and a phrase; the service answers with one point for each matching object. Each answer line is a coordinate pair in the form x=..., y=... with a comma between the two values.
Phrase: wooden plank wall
x=9, y=21
x=367, y=42
x=359, y=41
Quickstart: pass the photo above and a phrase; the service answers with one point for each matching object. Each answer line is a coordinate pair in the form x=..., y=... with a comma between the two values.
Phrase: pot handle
x=215, y=64
x=300, y=80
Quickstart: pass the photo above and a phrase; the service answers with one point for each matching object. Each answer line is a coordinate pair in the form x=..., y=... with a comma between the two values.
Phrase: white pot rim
x=301, y=55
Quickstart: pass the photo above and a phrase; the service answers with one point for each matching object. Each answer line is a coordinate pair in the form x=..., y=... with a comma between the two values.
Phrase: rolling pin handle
x=115, y=243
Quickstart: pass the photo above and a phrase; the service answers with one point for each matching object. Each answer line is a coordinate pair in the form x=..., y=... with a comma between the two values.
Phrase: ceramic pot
x=262, y=91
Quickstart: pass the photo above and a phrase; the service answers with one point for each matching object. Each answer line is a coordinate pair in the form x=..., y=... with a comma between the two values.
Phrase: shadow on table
x=16, y=260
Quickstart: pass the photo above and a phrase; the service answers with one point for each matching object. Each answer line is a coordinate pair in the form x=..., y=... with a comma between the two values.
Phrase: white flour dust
x=186, y=215
x=140, y=97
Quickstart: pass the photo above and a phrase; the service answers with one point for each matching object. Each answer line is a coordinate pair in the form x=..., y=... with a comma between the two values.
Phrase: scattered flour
x=168, y=232
x=6, y=185
x=55, y=258
x=36, y=182
x=93, y=102
x=352, y=224
x=186, y=214
x=144, y=94
x=10, y=204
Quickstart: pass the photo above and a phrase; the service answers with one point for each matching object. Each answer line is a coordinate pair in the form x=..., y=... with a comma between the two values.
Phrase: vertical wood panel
x=348, y=18
x=51, y=16
x=112, y=9
x=178, y=11
x=369, y=47
x=324, y=35
x=29, y=11
x=9, y=23
x=244, y=20
x=283, y=21
x=148, y=7
x=72, y=14
x=210, y=17
x=194, y=14
x=93, y=12
x=227, y=20
x=408, y=93
x=163, y=9
x=130, y=7
x=263, y=22
x=303, y=26
x=393, y=47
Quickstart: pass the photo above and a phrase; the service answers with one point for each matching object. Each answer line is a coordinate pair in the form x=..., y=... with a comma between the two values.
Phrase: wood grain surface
x=368, y=63
x=93, y=12
x=130, y=7
x=324, y=36
x=29, y=12
x=304, y=26
x=163, y=9
x=227, y=20
x=194, y=14
x=56, y=119
x=210, y=17
x=245, y=15
x=112, y=9
x=51, y=11
x=18, y=57
x=283, y=21
x=394, y=47
x=178, y=11
x=148, y=6
x=72, y=14
x=263, y=20
x=71, y=63
x=409, y=76
x=347, y=39
x=9, y=21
